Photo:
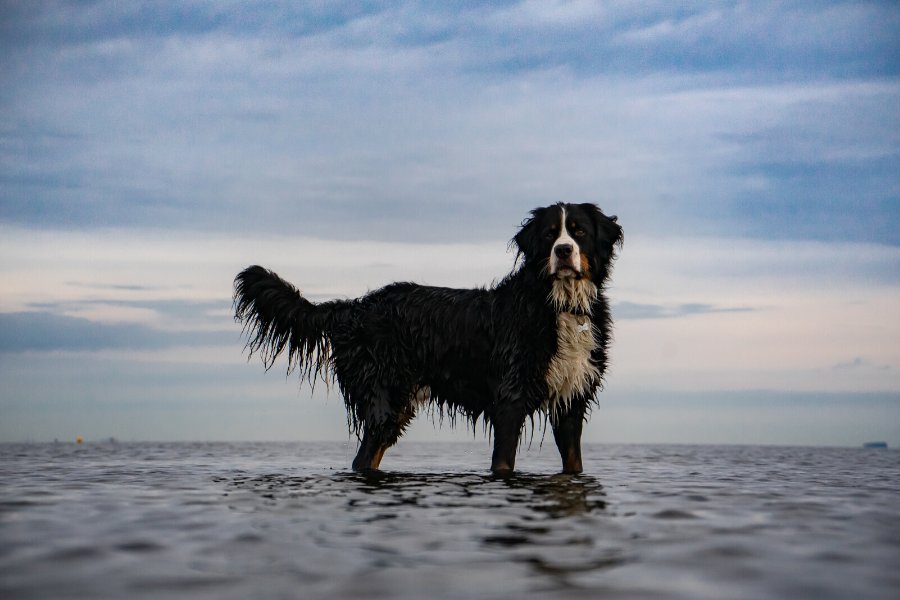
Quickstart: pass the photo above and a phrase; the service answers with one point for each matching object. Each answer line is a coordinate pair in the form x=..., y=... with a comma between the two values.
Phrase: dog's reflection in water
x=553, y=496
x=521, y=507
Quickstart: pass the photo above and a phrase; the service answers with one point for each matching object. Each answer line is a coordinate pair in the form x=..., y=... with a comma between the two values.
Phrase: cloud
x=635, y=310
x=764, y=37
x=356, y=122
x=859, y=363
x=44, y=331
x=583, y=35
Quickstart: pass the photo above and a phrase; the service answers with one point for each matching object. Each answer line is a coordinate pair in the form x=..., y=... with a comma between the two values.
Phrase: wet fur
x=537, y=341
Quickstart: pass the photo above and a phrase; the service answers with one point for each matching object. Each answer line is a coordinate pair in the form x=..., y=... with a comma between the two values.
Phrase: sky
x=150, y=151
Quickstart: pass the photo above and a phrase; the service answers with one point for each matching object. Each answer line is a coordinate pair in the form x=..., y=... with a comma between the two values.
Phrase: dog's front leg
x=567, y=433
x=507, y=426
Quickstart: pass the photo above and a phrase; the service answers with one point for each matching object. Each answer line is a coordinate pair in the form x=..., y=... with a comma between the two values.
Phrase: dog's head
x=570, y=241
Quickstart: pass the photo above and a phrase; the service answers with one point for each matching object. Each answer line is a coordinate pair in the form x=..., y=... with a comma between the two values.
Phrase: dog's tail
x=275, y=316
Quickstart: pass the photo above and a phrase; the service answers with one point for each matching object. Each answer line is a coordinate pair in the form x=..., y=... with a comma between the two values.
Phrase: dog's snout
x=563, y=251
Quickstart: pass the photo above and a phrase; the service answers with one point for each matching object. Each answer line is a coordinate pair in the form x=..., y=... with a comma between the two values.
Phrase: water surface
x=223, y=520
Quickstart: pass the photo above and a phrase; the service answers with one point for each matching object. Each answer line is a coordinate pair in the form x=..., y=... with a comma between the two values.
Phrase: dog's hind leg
x=371, y=451
x=377, y=438
x=567, y=433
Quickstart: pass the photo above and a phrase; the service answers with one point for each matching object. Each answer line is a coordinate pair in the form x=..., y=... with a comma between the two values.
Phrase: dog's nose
x=563, y=251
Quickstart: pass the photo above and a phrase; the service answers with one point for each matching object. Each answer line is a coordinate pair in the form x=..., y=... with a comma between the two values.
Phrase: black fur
x=471, y=352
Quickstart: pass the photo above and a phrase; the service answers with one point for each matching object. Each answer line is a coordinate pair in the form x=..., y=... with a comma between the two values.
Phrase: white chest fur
x=571, y=372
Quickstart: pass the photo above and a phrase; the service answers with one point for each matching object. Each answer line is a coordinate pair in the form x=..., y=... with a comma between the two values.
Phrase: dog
x=534, y=343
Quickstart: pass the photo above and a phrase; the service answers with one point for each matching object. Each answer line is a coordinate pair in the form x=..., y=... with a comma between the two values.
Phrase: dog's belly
x=571, y=372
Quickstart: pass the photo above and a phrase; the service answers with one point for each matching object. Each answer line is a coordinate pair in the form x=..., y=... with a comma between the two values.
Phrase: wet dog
x=534, y=343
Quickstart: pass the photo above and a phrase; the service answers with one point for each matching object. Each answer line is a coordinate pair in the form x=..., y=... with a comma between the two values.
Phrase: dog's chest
x=571, y=371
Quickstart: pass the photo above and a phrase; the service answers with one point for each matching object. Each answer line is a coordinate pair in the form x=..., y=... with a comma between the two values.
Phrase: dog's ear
x=607, y=231
x=528, y=238
x=613, y=231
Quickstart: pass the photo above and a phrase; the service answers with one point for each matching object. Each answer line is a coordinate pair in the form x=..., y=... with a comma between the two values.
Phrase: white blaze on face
x=570, y=291
x=573, y=261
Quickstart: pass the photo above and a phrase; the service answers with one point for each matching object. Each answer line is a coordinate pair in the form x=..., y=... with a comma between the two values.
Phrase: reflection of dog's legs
x=567, y=433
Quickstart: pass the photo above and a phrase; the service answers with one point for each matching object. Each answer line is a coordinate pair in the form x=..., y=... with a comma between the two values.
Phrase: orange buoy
x=79, y=440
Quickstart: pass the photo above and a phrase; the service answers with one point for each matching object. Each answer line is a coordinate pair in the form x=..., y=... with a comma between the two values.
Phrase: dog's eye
x=579, y=232
x=550, y=235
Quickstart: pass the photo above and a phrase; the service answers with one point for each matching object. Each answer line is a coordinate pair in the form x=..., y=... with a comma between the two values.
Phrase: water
x=289, y=521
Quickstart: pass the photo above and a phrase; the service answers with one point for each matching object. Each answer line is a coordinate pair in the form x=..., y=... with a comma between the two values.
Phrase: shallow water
x=289, y=521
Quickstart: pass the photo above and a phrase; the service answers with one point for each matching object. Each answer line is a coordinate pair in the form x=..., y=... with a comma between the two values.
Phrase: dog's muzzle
x=563, y=263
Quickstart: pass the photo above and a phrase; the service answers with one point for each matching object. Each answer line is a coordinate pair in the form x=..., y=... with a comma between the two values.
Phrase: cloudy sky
x=149, y=151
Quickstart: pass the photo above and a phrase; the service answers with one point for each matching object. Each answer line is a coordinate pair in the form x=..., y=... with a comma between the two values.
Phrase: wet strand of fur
x=572, y=294
x=275, y=316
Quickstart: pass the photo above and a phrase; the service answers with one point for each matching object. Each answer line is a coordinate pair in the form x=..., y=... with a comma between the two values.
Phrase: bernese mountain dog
x=534, y=344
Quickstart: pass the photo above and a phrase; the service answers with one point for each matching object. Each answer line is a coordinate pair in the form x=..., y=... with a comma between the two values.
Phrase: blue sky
x=149, y=152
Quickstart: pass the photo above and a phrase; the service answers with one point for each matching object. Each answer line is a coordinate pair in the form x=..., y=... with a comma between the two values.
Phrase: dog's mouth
x=566, y=272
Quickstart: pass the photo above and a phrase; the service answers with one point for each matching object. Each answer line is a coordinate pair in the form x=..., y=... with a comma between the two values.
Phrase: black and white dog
x=536, y=342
